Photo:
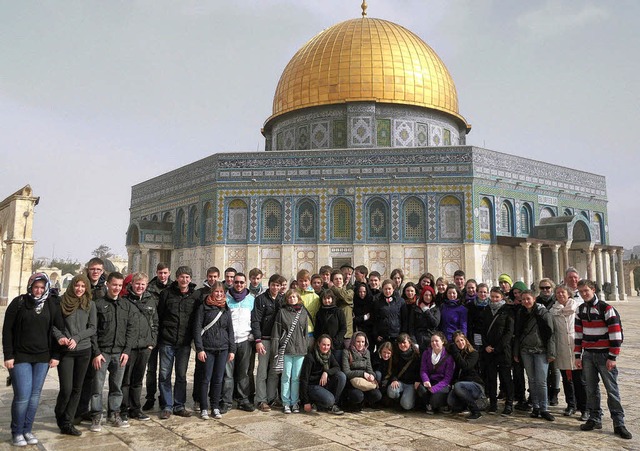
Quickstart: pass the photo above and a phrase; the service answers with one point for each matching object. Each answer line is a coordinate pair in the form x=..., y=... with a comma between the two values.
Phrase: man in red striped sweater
x=597, y=345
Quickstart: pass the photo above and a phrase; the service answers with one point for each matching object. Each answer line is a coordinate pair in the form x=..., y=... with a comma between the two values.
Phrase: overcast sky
x=96, y=96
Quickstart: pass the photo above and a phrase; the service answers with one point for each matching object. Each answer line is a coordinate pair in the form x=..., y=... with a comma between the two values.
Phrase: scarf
x=407, y=355
x=471, y=299
x=564, y=310
x=435, y=358
x=322, y=359
x=352, y=346
x=480, y=303
x=495, y=306
x=70, y=302
x=39, y=301
x=410, y=301
x=212, y=302
x=255, y=290
x=238, y=296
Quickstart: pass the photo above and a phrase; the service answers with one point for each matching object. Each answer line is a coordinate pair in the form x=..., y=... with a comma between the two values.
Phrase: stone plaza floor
x=369, y=430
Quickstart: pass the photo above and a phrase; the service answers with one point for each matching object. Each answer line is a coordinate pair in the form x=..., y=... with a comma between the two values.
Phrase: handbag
x=362, y=384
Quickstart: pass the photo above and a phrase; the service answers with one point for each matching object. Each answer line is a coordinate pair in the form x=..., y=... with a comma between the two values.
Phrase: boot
x=553, y=397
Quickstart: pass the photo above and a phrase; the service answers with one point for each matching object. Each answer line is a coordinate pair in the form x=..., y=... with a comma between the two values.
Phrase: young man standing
x=310, y=300
x=111, y=347
x=598, y=341
x=236, y=378
x=255, y=282
x=175, y=314
x=160, y=282
x=229, y=274
x=262, y=318
x=144, y=309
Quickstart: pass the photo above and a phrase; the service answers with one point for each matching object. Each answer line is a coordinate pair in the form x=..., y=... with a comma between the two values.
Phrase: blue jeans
x=290, y=382
x=212, y=377
x=594, y=364
x=330, y=394
x=168, y=356
x=537, y=366
x=406, y=393
x=27, y=381
x=116, y=373
x=464, y=395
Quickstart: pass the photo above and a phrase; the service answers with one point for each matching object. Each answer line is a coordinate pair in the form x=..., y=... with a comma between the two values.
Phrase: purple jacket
x=453, y=317
x=440, y=375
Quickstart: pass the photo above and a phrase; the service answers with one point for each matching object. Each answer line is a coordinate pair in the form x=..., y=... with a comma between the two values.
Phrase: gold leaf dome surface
x=366, y=59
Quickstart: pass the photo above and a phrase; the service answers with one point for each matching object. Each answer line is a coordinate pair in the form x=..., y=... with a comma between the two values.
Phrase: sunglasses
x=545, y=288
x=238, y=282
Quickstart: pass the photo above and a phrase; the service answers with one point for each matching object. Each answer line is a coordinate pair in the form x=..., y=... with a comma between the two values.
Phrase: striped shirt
x=597, y=331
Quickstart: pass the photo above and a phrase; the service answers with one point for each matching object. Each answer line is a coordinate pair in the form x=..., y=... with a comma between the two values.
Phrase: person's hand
x=370, y=377
x=379, y=339
x=307, y=407
x=489, y=349
x=202, y=356
x=550, y=359
x=416, y=385
x=124, y=358
x=611, y=364
x=578, y=364
x=324, y=378
x=367, y=316
x=427, y=384
x=97, y=362
x=516, y=359
x=8, y=364
x=395, y=384
x=63, y=341
x=53, y=363
x=71, y=344
x=231, y=357
x=260, y=349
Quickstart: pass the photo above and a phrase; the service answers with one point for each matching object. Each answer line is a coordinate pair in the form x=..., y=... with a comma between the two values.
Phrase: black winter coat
x=145, y=316
x=176, y=313
x=117, y=330
x=263, y=315
x=498, y=334
x=423, y=324
x=387, y=317
x=311, y=372
x=412, y=373
x=218, y=337
x=466, y=365
x=331, y=321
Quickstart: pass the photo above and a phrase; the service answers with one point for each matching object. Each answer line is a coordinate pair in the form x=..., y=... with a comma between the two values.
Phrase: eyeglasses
x=239, y=282
x=545, y=288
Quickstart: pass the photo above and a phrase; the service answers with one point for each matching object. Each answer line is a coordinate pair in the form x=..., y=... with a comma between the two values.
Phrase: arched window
x=181, y=231
x=341, y=221
x=307, y=224
x=450, y=218
x=194, y=226
x=271, y=221
x=506, y=218
x=585, y=214
x=237, y=221
x=208, y=222
x=598, y=233
x=167, y=217
x=378, y=220
x=525, y=220
x=414, y=220
x=567, y=212
x=486, y=219
x=546, y=212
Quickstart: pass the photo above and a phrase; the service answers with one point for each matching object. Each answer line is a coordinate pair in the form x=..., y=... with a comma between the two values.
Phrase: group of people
x=339, y=339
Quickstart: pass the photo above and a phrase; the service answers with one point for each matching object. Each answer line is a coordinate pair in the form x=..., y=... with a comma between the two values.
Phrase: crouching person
x=321, y=381
x=215, y=346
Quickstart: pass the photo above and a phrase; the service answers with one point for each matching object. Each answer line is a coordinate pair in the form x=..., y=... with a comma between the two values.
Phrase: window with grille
x=485, y=219
x=272, y=221
x=414, y=219
x=208, y=222
x=341, y=221
x=525, y=220
x=450, y=218
x=378, y=228
x=237, y=221
x=307, y=220
x=505, y=218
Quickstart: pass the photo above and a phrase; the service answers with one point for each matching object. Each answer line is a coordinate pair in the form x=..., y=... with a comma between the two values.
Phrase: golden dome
x=366, y=59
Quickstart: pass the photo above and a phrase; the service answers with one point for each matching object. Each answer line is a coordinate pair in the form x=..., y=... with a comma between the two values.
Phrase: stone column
x=527, y=263
x=589, y=252
x=621, y=283
x=614, y=283
x=599, y=273
x=144, y=260
x=565, y=253
x=538, y=252
x=556, y=262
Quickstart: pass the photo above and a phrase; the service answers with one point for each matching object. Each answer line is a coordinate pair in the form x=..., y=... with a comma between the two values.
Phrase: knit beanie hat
x=519, y=285
x=505, y=278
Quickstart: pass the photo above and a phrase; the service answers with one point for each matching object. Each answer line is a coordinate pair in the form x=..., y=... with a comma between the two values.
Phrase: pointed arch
x=450, y=214
x=207, y=217
x=526, y=225
x=414, y=219
x=377, y=220
x=237, y=213
x=307, y=224
x=341, y=220
x=271, y=221
x=486, y=217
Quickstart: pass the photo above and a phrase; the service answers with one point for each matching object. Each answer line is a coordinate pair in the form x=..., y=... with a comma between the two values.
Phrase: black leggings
x=71, y=372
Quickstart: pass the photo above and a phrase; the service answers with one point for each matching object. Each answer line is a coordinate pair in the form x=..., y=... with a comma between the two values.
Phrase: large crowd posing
x=341, y=339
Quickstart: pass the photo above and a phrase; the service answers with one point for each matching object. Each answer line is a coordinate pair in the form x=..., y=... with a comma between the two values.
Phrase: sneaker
x=336, y=410
x=18, y=440
x=314, y=408
x=216, y=414
x=295, y=408
x=264, y=407
x=620, y=431
x=584, y=416
x=141, y=417
x=508, y=410
x=70, y=430
x=204, y=414
x=493, y=408
x=165, y=414
x=286, y=409
x=118, y=422
x=590, y=425
x=535, y=413
x=474, y=416
x=545, y=414
x=149, y=404
x=522, y=406
x=276, y=404
x=30, y=438
x=95, y=423
x=182, y=413
x=429, y=409
x=247, y=407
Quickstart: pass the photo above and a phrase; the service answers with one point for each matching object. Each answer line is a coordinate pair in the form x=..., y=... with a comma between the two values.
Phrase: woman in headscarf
x=29, y=353
x=80, y=319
